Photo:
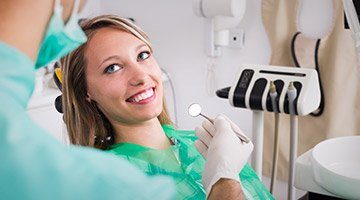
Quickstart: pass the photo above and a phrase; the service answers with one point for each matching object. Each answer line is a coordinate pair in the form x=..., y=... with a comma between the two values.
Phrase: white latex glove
x=224, y=152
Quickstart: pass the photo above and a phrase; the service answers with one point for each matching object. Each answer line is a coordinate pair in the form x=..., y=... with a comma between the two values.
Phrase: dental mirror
x=195, y=110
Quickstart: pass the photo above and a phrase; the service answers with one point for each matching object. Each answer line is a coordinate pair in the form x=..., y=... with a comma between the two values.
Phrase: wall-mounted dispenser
x=221, y=17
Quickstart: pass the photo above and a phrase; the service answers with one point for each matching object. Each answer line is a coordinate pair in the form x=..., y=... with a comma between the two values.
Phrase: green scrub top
x=184, y=164
x=34, y=165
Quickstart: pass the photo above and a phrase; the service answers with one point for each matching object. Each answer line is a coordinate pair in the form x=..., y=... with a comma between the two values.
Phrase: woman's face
x=123, y=77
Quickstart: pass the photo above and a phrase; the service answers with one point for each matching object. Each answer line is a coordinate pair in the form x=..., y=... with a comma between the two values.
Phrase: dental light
x=221, y=16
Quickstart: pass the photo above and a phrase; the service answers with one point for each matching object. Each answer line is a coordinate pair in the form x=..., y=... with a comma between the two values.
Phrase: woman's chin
x=148, y=117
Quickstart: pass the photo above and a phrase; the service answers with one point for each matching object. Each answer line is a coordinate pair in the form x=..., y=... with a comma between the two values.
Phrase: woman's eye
x=112, y=68
x=143, y=55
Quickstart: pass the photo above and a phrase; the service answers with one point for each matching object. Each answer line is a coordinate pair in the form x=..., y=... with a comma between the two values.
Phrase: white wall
x=177, y=37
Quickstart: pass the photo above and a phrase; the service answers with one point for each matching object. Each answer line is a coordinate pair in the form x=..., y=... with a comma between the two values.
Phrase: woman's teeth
x=144, y=95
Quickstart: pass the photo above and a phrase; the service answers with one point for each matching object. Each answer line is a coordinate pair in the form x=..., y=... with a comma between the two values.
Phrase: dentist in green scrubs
x=33, y=165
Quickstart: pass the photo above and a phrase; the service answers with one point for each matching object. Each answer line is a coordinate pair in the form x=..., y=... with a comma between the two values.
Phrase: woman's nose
x=138, y=76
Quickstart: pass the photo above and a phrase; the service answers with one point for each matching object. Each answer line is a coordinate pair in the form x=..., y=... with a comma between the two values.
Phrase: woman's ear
x=88, y=97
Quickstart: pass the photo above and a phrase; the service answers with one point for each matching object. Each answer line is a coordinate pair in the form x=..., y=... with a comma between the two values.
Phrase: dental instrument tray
x=252, y=88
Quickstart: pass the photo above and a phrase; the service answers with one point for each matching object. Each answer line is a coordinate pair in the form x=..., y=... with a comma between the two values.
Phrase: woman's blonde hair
x=86, y=124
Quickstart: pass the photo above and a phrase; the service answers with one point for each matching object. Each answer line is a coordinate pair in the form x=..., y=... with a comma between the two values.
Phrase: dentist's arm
x=225, y=156
x=226, y=189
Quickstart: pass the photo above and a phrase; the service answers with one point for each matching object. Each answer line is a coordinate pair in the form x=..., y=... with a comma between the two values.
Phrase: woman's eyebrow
x=140, y=46
x=109, y=58
x=117, y=57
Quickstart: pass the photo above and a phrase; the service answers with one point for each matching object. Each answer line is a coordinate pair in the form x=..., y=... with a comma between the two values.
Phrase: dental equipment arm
x=224, y=152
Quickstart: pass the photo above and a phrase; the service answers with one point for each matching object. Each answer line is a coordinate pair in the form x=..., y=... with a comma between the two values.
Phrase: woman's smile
x=143, y=97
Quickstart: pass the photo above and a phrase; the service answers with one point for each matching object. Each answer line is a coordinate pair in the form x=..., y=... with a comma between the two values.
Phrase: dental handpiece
x=273, y=95
x=195, y=110
x=292, y=94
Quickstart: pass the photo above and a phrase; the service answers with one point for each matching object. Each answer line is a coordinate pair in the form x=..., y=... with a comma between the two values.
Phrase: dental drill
x=292, y=94
x=273, y=96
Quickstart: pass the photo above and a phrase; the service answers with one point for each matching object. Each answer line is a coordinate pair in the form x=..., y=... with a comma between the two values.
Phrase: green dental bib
x=184, y=164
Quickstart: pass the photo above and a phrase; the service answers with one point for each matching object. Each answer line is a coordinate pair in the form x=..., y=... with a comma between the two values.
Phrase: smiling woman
x=110, y=82
x=113, y=100
x=121, y=77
